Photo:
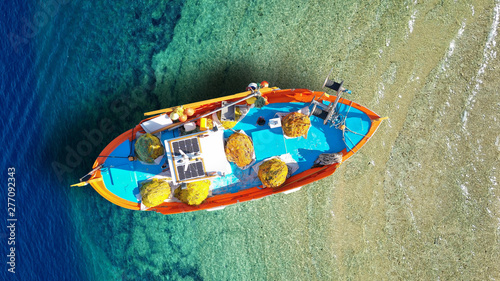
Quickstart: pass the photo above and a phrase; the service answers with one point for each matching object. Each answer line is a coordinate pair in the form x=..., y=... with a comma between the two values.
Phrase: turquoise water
x=420, y=201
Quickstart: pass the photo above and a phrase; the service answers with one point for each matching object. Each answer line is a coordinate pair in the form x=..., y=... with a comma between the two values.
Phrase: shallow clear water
x=419, y=202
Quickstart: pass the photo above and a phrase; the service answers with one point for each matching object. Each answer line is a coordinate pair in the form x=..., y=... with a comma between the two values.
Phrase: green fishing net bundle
x=154, y=192
x=273, y=172
x=148, y=147
x=260, y=102
x=194, y=193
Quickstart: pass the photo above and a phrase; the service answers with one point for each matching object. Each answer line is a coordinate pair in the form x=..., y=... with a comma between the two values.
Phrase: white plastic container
x=189, y=126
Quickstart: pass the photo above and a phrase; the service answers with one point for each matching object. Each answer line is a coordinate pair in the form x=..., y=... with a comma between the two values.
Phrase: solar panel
x=186, y=145
x=196, y=147
x=186, y=158
x=190, y=170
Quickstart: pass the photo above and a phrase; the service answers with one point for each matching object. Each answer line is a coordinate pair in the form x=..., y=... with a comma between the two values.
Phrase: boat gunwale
x=273, y=95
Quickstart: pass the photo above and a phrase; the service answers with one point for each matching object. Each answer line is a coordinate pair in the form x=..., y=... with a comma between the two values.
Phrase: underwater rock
x=156, y=15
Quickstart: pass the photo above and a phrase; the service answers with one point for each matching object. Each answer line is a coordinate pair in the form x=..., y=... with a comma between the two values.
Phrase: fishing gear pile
x=148, y=147
x=194, y=193
x=296, y=124
x=273, y=172
x=239, y=149
x=154, y=192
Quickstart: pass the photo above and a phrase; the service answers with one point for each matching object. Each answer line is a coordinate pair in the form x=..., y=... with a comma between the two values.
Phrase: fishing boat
x=189, y=148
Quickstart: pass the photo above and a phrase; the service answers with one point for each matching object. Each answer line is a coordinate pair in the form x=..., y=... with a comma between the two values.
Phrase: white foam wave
x=465, y=191
x=493, y=180
x=410, y=210
x=493, y=196
x=488, y=55
x=380, y=92
x=451, y=48
x=411, y=23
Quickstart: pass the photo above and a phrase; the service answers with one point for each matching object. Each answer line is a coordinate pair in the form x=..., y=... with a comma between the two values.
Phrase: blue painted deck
x=121, y=176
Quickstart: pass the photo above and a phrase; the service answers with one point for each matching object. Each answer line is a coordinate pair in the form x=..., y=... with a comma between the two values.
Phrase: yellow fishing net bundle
x=154, y=192
x=295, y=124
x=239, y=149
x=230, y=124
x=194, y=193
x=148, y=147
x=272, y=173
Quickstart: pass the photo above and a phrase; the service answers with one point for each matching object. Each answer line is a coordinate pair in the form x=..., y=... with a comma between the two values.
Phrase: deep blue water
x=61, y=72
x=45, y=245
